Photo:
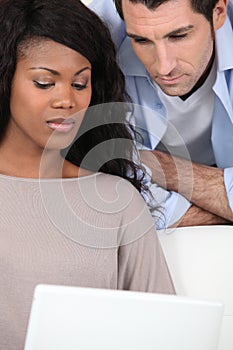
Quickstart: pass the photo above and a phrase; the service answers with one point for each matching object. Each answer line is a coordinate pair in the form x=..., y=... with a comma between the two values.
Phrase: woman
x=64, y=221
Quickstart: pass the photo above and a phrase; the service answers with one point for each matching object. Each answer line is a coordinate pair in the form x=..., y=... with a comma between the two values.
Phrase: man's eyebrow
x=178, y=31
x=134, y=36
x=54, y=72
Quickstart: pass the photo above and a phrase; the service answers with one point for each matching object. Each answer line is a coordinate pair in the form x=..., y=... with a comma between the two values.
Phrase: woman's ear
x=219, y=14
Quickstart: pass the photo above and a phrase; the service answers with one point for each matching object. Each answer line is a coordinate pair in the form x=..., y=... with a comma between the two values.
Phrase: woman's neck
x=34, y=163
x=29, y=162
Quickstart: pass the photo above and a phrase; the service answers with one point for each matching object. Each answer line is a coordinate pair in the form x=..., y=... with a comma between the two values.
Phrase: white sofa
x=200, y=260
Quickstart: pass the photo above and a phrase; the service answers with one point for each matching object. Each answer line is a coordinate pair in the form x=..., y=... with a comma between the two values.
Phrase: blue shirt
x=152, y=120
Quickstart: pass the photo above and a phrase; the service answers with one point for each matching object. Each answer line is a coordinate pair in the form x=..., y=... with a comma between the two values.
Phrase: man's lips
x=61, y=124
x=169, y=81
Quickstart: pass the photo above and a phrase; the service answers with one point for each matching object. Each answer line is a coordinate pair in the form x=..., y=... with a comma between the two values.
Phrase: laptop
x=76, y=318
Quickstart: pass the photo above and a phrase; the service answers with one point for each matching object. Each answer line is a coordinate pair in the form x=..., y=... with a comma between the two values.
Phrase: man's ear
x=219, y=13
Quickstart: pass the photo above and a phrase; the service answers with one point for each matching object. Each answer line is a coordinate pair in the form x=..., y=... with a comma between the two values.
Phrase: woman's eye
x=79, y=86
x=42, y=85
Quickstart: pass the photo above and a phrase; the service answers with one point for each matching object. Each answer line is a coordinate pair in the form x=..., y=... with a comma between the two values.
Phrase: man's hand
x=200, y=184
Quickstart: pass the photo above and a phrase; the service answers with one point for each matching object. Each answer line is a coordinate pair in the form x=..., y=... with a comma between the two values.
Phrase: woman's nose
x=64, y=98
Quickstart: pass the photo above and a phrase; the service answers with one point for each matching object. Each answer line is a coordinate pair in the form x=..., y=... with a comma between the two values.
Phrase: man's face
x=173, y=42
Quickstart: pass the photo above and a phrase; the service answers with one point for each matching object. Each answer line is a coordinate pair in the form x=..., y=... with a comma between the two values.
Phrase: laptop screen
x=74, y=318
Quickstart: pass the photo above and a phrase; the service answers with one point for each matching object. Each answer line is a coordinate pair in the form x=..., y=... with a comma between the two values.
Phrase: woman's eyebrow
x=54, y=72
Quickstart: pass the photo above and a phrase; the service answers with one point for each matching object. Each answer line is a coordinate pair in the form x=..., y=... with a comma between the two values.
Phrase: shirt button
x=159, y=105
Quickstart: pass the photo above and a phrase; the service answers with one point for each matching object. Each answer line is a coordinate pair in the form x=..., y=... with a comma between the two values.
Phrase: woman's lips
x=61, y=125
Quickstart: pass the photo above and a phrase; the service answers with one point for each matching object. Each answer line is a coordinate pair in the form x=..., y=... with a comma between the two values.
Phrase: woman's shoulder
x=111, y=192
x=113, y=185
x=123, y=196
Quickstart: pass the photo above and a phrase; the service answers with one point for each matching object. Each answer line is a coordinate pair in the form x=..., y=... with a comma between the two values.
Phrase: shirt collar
x=129, y=62
x=224, y=45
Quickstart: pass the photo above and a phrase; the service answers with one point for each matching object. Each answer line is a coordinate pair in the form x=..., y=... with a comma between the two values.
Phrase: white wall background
x=86, y=2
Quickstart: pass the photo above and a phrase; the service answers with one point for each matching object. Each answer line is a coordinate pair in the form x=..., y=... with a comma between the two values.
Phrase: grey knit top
x=93, y=231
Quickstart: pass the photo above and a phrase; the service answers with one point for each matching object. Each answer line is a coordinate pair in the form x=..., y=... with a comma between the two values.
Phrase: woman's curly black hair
x=72, y=24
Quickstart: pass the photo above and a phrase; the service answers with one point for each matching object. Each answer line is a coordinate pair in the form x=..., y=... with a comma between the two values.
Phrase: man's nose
x=165, y=60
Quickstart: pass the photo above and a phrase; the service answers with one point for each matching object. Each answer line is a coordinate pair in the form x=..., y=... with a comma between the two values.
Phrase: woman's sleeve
x=141, y=263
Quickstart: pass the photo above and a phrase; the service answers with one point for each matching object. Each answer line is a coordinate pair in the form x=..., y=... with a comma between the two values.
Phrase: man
x=177, y=57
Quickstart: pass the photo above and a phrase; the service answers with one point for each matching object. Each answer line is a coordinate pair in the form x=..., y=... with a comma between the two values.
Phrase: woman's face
x=51, y=84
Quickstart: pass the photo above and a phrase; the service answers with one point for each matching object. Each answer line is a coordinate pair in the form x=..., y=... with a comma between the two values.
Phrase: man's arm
x=202, y=185
x=196, y=216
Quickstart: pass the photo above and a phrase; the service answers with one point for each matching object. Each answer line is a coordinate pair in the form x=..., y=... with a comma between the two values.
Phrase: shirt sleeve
x=167, y=207
x=142, y=266
x=141, y=262
x=228, y=180
x=106, y=10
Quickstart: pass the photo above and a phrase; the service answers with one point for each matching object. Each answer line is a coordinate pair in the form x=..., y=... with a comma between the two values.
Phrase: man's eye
x=178, y=37
x=42, y=85
x=78, y=86
x=140, y=40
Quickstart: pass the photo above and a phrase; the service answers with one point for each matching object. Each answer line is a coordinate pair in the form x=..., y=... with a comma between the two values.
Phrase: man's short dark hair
x=204, y=7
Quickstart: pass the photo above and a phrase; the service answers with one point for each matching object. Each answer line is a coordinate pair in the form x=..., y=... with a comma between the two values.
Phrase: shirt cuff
x=170, y=210
x=228, y=180
x=167, y=207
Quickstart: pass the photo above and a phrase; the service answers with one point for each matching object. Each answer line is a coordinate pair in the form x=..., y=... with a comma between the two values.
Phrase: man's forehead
x=151, y=5
x=171, y=15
